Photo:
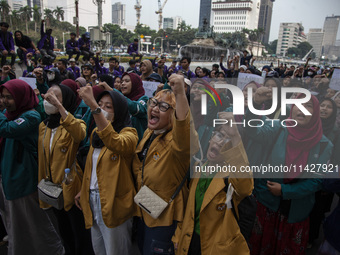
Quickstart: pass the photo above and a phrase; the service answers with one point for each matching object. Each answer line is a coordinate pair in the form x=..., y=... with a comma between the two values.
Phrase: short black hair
x=132, y=62
x=112, y=59
x=4, y=24
x=186, y=58
x=135, y=40
x=74, y=34
x=216, y=66
x=64, y=61
x=206, y=71
x=108, y=79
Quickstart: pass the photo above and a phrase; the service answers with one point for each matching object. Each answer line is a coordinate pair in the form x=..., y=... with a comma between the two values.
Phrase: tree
x=271, y=48
x=183, y=27
x=294, y=52
x=4, y=10
x=304, y=48
x=15, y=19
x=36, y=17
x=48, y=13
x=59, y=13
x=26, y=15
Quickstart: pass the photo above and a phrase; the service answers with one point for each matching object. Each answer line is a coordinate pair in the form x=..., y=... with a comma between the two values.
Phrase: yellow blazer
x=166, y=164
x=219, y=231
x=115, y=180
x=62, y=155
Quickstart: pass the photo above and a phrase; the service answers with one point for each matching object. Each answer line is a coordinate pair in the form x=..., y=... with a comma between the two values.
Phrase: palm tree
x=48, y=13
x=59, y=13
x=36, y=16
x=4, y=10
x=26, y=15
x=15, y=18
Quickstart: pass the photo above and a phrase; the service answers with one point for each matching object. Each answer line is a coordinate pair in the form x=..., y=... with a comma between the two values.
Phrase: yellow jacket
x=219, y=230
x=63, y=155
x=166, y=164
x=115, y=180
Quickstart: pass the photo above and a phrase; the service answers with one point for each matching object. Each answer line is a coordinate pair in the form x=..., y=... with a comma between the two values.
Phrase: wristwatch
x=97, y=110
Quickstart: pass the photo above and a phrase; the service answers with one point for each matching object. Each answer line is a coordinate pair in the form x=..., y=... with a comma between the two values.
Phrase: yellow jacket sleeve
x=76, y=127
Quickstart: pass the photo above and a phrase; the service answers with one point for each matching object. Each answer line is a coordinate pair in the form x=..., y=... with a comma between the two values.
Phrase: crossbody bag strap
x=187, y=175
x=145, y=152
x=49, y=176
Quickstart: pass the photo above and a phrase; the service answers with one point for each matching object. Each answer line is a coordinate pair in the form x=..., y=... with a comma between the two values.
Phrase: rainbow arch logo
x=209, y=93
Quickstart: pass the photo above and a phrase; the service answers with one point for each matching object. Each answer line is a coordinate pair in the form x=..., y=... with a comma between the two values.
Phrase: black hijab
x=121, y=115
x=69, y=103
x=329, y=123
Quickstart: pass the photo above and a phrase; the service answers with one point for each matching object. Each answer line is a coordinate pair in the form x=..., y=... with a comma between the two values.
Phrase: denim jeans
x=108, y=241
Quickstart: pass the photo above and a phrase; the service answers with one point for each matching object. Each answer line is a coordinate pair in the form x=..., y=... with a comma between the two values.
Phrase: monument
x=205, y=47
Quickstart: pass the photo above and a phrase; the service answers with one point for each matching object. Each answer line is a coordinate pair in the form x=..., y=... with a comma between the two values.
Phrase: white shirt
x=53, y=131
x=94, y=180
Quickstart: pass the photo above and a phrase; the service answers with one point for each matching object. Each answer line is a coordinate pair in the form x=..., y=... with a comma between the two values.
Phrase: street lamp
x=65, y=33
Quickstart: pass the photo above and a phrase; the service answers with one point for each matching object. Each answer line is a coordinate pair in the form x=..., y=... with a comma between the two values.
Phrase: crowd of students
x=116, y=141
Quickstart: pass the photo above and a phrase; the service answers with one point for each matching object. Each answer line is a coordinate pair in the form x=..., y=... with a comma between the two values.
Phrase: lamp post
x=65, y=33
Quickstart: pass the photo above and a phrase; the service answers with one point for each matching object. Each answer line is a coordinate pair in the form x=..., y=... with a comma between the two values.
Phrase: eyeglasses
x=219, y=137
x=162, y=106
x=86, y=69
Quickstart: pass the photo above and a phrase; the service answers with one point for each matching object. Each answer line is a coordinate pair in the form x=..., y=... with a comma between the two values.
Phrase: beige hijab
x=149, y=70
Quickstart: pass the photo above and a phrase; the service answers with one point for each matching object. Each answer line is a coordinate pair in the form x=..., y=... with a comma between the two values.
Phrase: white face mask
x=50, y=76
x=50, y=108
x=107, y=115
x=310, y=73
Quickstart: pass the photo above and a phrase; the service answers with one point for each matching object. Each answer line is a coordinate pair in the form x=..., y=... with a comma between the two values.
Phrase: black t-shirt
x=25, y=42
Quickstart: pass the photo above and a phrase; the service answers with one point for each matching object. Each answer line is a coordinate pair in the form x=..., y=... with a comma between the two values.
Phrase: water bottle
x=68, y=176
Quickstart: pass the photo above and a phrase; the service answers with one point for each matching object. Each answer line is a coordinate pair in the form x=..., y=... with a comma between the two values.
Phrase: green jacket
x=138, y=110
x=83, y=112
x=335, y=139
x=42, y=87
x=301, y=191
x=19, y=167
x=4, y=80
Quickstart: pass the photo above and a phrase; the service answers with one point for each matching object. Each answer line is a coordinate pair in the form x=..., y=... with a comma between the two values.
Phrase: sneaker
x=309, y=245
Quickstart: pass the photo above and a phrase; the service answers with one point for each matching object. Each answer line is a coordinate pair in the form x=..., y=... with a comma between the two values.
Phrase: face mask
x=50, y=76
x=107, y=115
x=50, y=108
x=310, y=73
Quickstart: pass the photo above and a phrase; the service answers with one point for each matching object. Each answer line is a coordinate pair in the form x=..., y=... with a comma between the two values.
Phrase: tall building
x=265, y=18
x=235, y=15
x=172, y=23
x=118, y=14
x=168, y=23
x=315, y=38
x=16, y=5
x=36, y=3
x=330, y=28
x=205, y=13
x=290, y=36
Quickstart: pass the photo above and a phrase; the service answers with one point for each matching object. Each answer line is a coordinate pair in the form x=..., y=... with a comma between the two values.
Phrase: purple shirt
x=76, y=71
x=70, y=45
x=133, y=48
x=8, y=38
x=81, y=42
x=45, y=37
